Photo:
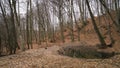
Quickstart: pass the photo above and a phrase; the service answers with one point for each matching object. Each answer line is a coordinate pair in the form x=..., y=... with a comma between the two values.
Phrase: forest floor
x=49, y=58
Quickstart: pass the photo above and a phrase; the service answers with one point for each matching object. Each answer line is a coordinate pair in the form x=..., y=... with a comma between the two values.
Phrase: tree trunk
x=61, y=21
x=13, y=30
x=103, y=44
x=27, y=27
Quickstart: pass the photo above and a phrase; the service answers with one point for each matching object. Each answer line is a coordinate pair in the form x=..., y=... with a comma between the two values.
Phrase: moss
x=84, y=52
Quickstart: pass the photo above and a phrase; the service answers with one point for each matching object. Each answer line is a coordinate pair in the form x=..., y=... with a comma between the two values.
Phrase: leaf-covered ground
x=49, y=58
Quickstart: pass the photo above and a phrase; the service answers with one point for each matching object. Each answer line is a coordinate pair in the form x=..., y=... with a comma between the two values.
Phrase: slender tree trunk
x=101, y=39
x=81, y=11
x=61, y=21
x=107, y=10
x=71, y=23
x=117, y=14
x=27, y=27
x=20, y=34
x=0, y=43
x=31, y=25
x=78, y=28
x=39, y=22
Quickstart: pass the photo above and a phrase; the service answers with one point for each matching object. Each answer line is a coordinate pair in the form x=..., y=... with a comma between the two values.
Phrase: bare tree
x=60, y=5
x=101, y=39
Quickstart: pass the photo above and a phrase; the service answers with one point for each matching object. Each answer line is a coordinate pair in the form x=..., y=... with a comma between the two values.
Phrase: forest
x=59, y=34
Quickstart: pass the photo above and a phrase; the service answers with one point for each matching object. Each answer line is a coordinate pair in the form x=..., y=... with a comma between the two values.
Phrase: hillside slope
x=88, y=35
